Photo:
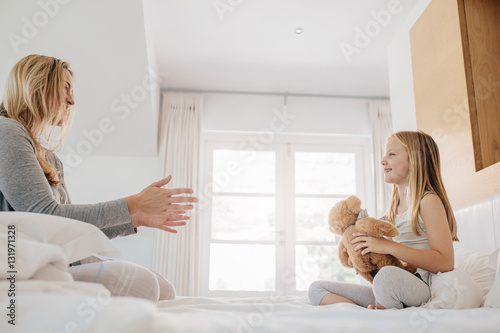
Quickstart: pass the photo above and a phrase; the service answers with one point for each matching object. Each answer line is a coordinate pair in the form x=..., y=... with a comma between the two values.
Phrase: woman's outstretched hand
x=164, y=222
x=157, y=201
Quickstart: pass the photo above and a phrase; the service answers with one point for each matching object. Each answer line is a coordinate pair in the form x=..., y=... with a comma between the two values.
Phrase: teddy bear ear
x=353, y=203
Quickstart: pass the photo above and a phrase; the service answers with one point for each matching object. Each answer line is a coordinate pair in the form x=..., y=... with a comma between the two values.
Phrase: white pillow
x=454, y=290
x=477, y=265
x=43, y=245
x=492, y=299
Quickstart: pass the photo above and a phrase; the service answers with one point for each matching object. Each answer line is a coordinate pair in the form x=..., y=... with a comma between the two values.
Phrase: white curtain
x=381, y=123
x=177, y=256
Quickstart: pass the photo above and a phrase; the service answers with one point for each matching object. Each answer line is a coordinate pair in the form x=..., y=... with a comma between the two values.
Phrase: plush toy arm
x=377, y=228
x=343, y=256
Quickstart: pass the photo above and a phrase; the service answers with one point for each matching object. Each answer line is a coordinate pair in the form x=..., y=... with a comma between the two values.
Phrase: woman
x=39, y=98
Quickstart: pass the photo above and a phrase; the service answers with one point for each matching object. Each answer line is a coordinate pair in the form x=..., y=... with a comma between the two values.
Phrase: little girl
x=421, y=211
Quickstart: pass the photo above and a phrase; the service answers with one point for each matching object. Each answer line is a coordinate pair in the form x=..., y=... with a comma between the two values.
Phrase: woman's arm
x=24, y=186
x=440, y=258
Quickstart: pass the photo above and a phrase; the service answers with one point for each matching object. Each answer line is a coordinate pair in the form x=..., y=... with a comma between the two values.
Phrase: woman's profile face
x=69, y=99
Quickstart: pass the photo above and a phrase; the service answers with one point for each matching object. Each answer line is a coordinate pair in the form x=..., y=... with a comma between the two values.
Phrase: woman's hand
x=163, y=222
x=367, y=244
x=156, y=200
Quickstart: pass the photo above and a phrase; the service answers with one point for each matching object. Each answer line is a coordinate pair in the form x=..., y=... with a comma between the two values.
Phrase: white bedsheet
x=295, y=314
x=84, y=307
x=70, y=306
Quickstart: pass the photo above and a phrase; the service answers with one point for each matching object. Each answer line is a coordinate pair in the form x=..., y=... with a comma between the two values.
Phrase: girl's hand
x=156, y=200
x=368, y=244
x=163, y=222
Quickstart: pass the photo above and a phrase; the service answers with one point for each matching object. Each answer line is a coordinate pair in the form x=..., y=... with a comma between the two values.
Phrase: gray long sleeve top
x=23, y=186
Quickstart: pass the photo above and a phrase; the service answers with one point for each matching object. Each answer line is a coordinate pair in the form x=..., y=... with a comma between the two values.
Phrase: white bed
x=48, y=300
x=293, y=314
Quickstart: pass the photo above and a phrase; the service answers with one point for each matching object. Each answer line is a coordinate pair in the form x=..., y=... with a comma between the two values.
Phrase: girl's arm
x=440, y=258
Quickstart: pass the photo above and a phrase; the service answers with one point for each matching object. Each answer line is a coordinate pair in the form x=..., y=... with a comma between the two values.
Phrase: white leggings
x=124, y=278
x=393, y=287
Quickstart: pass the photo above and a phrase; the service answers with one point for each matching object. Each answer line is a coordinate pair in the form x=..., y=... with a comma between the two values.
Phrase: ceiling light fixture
x=299, y=31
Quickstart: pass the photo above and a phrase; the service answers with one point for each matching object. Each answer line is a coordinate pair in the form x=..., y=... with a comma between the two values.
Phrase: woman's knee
x=167, y=290
x=121, y=278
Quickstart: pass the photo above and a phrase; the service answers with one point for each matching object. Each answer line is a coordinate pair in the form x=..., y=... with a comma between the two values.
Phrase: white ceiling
x=252, y=45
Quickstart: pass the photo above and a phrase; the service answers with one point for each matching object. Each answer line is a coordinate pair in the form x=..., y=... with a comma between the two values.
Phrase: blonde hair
x=35, y=97
x=425, y=175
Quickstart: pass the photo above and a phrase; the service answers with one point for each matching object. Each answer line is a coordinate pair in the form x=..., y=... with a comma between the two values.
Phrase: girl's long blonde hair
x=35, y=97
x=425, y=175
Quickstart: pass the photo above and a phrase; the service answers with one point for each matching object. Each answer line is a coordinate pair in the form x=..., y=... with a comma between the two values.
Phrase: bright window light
x=242, y=267
x=267, y=220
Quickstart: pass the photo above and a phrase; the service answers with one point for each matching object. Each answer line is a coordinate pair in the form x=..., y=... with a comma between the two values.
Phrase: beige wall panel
x=441, y=102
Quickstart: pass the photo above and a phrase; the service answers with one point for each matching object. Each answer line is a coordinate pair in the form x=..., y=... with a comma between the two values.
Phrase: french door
x=265, y=212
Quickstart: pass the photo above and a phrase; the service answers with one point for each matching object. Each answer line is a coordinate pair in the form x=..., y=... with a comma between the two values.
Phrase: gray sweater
x=23, y=186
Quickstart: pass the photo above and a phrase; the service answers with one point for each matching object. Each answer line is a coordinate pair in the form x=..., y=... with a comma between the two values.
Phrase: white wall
x=105, y=44
x=400, y=73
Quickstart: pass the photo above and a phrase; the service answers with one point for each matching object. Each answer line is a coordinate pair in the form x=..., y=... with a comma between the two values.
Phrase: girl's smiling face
x=396, y=163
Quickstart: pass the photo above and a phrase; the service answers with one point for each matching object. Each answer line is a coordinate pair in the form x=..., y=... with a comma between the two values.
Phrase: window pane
x=325, y=173
x=244, y=171
x=243, y=218
x=316, y=262
x=242, y=267
x=311, y=216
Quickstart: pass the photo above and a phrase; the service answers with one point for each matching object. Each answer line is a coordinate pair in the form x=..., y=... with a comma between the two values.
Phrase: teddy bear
x=343, y=220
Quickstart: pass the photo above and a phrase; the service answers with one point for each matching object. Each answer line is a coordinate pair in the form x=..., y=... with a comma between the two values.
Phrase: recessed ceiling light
x=299, y=31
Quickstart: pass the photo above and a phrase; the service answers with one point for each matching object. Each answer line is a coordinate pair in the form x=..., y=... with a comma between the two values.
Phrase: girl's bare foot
x=378, y=307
